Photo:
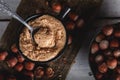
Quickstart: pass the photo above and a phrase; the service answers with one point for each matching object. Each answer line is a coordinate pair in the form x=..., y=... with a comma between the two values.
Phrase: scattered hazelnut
x=20, y=58
x=99, y=37
x=69, y=39
x=114, y=43
x=108, y=30
x=112, y=63
x=80, y=23
x=116, y=53
x=70, y=25
x=14, y=48
x=117, y=33
x=56, y=7
x=99, y=58
x=12, y=61
x=19, y=67
x=29, y=65
x=102, y=68
x=39, y=72
x=94, y=48
x=73, y=16
x=49, y=72
x=3, y=55
x=98, y=76
x=104, y=44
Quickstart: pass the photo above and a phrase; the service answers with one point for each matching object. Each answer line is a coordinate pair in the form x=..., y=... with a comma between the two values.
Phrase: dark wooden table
x=109, y=14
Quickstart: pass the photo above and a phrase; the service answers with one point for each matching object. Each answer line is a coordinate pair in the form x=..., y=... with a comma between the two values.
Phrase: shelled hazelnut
x=99, y=58
x=103, y=68
x=70, y=25
x=108, y=30
x=114, y=43
x=39, y=72
x=99, y=37
x=104, y=44
x=80, y=23
x=12, y=61
x=112, y=63
x=19, y=67
x=3, y=55
x=94, y=48
x=73, y=16
x=49, y=72
x=14, y=48
x=20, y=58
x=56, y=7
x=29, y=65
x=117, y=33
x=116, y=53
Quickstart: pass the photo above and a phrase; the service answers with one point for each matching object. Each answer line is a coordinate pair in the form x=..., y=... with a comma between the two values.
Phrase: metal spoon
x=5, y=8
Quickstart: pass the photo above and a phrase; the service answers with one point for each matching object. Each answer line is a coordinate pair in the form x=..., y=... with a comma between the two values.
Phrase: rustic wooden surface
x=79, y=71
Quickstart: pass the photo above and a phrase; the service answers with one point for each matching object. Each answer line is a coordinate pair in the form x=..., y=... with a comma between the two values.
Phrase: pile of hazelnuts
x=104, y=54
x=19, y=65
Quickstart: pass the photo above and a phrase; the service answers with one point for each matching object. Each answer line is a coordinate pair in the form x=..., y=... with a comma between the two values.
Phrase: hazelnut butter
x=50, y=39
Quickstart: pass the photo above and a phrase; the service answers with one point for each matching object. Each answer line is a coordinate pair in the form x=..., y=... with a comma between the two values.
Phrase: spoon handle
x=5, y=8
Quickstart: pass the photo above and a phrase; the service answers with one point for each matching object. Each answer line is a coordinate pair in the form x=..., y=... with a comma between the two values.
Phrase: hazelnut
x=20, y=58
x=3, y=55
x=69, y=39
x=99, y=58
x=19, y=67
x=108, y=30
x=112, y=63
x=102, y=68
x=117, y=33
x=29, y=74
x=99, y=37
x=12, y=61
x=107, y=53
x=114, y=43
x=39, y=72
x=98, y=76
x=73, y=16
x=116, y=53
x=70, y=26
x=104, y=44
x=118, y=77
x=56, y=7
x=80, y=23
x=29, y=65
x=49, y=72
x=14, y=48
x=94, y=48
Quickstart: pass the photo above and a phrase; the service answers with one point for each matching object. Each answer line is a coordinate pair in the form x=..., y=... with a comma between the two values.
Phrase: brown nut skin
x=80, y=23
x=104, y=44
x=3, y=55
x=49, y=72
x=70, y=25
x=114, y=43
x=39, y=72
x=56, y=7
x=107, y=30
x=18, y=67
x=20, y=58
x=117, y=33
x=73, y=16
x=116, y=53
x=117, y=77
x=99, y=37
x=99, y=58
x=112, y=63
x=103, y=68
x=14, y=48
x=98, y=76
x=107, y=53
x=12, y=61
x=94, y=48
x=29, y=65
x=69, y=39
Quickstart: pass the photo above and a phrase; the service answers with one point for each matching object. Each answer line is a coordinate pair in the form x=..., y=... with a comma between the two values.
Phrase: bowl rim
x=60, y=52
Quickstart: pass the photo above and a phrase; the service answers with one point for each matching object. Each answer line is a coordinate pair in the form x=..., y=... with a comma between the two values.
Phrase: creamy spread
x=50, y=39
